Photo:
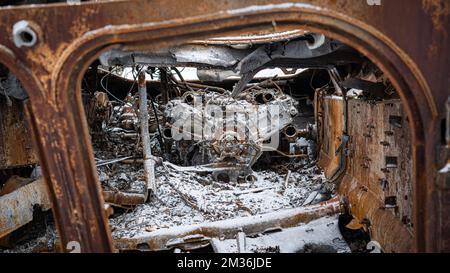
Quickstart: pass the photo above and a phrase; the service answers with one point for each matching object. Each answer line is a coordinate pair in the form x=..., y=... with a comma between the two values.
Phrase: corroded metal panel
x=16, y=147
x=17, y=207
x=380, y=154
x=332, y=111
x=377, y=182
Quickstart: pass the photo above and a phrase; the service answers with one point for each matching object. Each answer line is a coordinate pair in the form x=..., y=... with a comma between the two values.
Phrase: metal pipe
x=149, y=161
x=336, y=78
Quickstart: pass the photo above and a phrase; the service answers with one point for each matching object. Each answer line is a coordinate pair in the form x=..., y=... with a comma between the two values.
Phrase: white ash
x=318, y=236
x=192, y=198
x=46, y=242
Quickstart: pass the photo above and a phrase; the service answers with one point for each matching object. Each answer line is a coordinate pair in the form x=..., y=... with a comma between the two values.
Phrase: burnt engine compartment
x=219, y=176
x=233, y=143
x=225, y=158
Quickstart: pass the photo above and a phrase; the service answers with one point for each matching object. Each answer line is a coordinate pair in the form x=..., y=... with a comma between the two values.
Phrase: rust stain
x=45, y=59
x=439, y=12
x=81, y=24
x=16, y=148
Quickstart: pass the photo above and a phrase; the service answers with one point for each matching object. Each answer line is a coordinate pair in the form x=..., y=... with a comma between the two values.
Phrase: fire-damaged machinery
x=226, y=130
x=228, y=127
x=228, y=133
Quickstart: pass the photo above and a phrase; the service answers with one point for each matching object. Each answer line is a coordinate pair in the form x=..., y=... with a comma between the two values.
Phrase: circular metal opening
x=189, y=99
x=26, y=37
x=290, y=131
x=167, y=133
x=250, y=178
x=23, y=34
x=268, y=97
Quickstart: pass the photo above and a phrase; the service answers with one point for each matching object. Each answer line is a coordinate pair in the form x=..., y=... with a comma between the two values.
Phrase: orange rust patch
x=439, y=11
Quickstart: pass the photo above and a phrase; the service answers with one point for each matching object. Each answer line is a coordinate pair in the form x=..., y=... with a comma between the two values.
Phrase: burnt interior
x=329, y=130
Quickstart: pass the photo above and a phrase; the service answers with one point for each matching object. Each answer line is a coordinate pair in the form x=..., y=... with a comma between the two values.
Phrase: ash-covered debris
x=44, y=243
x=35, y=237
x=189, y=197
x=115, y=135
x=192, y=198
x=215, y=178
x=122, y=177
x=318, y=236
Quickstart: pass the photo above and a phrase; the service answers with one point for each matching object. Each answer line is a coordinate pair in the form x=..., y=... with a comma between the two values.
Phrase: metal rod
x=149, y=161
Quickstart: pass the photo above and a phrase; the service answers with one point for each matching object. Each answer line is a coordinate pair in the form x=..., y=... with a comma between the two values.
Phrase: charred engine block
x=225, y=134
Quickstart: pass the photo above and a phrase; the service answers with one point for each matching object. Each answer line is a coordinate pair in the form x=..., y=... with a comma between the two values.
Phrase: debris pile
x=318, y=236
x=189, y=198
x=189, y=194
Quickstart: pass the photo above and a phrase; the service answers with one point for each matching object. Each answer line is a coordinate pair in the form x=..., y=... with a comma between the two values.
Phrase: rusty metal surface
x=377, y=182
x=123, y=198
x=69, y=37
x=332, y=112
x=16, y=147
x=16, y=208
x=384, y=150
x=383, y=226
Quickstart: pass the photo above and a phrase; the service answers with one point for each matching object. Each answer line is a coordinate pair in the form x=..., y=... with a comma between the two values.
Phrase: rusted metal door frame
x=56, y=113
